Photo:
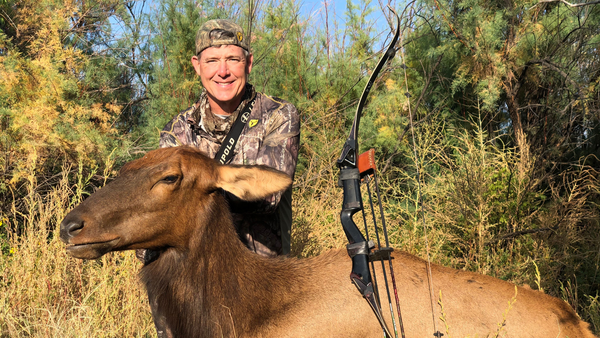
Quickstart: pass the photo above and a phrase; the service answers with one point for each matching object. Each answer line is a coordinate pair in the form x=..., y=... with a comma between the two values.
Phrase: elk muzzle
x=80, y=247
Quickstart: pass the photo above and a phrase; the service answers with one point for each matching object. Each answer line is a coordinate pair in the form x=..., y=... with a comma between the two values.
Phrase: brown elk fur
x=207, y=284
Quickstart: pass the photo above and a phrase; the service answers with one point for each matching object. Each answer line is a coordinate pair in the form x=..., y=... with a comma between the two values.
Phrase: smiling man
x=270, y=134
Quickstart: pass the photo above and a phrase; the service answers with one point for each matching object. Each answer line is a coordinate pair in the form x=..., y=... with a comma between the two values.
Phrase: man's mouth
x=224, y=84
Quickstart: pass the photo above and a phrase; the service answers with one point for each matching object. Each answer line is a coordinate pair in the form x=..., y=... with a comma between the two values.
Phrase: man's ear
x=251, y=183
x=249, y=63
x=196, y=63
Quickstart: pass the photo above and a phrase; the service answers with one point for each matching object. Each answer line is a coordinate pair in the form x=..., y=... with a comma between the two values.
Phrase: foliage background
x=504, y=97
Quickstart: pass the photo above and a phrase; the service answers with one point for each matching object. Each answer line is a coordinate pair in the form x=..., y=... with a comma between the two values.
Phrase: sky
x=312, y=13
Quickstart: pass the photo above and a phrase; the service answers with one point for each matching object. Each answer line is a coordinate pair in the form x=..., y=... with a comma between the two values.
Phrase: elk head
x=158, y=200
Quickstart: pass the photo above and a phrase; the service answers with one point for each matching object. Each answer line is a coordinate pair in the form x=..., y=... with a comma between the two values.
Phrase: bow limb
x=351, y=146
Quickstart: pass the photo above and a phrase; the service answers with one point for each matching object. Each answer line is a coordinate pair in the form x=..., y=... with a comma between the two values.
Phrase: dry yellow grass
x=45, y=293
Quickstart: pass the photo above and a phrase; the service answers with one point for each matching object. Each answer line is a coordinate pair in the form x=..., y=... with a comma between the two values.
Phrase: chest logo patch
x=252, y=123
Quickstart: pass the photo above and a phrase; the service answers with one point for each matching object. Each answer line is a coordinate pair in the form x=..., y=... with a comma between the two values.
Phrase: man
x=270, y=137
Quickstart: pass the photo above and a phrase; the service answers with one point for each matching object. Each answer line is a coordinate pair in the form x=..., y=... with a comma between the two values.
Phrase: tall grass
x=46, y=293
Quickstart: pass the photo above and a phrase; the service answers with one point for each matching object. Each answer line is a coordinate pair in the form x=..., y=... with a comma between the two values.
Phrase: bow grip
x=358, y=249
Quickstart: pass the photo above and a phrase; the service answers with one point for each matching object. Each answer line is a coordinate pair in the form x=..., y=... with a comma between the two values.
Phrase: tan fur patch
x=252, y=183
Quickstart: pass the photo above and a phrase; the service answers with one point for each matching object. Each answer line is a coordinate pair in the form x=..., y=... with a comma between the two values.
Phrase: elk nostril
x=73, y=228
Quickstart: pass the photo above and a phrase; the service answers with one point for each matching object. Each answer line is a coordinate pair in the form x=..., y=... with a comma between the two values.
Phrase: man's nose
x=223, y=70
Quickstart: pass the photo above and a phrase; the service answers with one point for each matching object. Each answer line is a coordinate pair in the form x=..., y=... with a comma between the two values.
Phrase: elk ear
x=252, y=183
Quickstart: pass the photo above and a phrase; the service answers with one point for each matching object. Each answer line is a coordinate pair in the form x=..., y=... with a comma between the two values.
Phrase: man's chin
x=225, y=100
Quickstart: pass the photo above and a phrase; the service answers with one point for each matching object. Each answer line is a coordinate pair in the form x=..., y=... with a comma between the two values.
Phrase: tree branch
x=557, y=69
x=567, y=3
x=388, y=162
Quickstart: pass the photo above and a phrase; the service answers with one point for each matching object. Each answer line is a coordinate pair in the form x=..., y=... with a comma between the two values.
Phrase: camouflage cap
x=220, y=32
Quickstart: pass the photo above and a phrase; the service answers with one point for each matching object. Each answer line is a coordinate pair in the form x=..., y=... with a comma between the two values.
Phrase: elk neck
x=209, y=284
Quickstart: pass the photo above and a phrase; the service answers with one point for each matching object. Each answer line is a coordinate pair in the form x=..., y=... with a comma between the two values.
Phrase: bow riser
x=358, y=248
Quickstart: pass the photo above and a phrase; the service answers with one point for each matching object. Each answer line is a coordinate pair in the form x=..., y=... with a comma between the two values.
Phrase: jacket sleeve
x=280, y=145
x=177, y=132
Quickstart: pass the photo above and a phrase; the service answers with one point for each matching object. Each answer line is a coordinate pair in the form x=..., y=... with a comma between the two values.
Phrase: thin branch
x=427, y=82
x=109, y=89
x=557, y=69
x=451, y=26
x=417, y=104
x=388, y=162
x=7, y=18
x=567, y=3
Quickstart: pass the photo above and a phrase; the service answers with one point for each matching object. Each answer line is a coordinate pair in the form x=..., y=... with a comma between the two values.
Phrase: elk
x=207, y=284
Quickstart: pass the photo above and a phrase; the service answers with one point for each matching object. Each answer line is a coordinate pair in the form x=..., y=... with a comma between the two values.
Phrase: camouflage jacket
x=271, y=138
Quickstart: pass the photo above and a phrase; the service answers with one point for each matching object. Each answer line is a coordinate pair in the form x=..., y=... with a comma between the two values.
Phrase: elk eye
x=170, y=179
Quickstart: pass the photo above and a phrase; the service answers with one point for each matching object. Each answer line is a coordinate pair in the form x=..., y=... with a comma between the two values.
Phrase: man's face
x=223, y=71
